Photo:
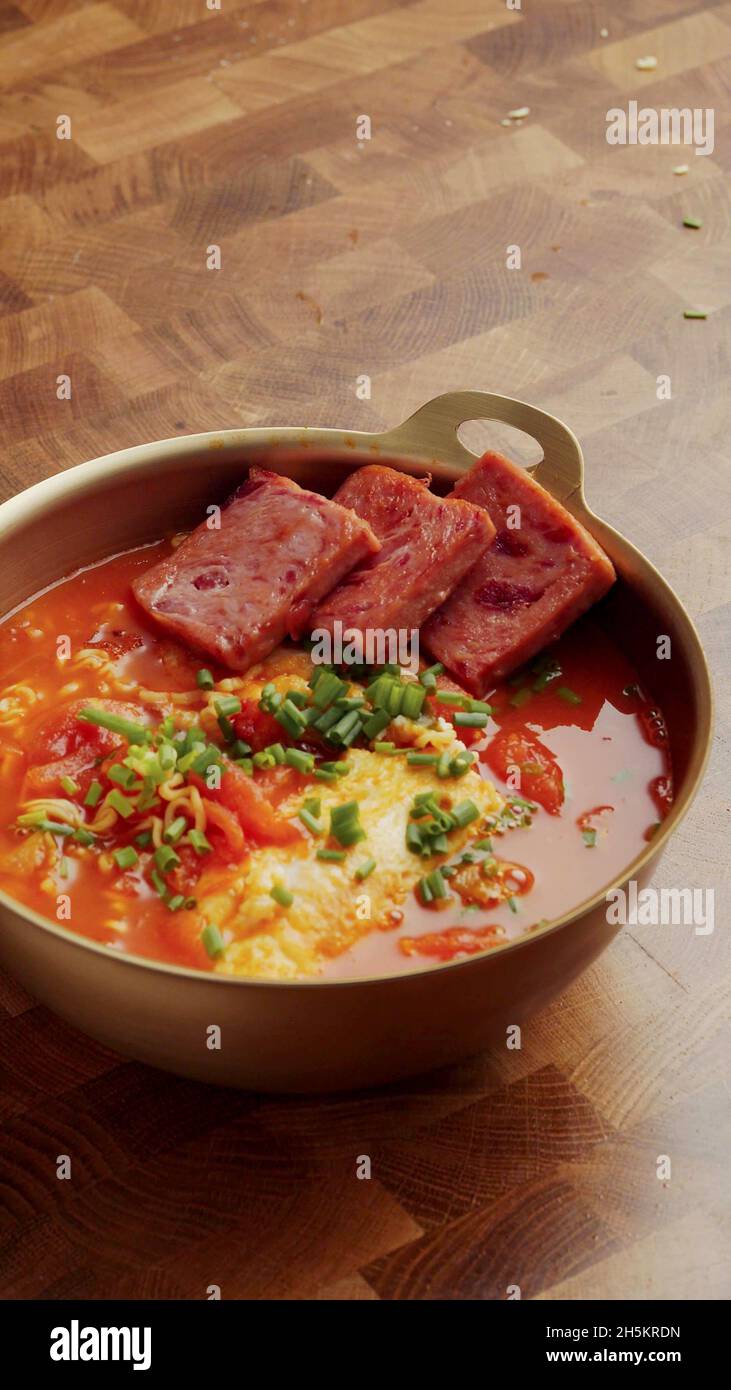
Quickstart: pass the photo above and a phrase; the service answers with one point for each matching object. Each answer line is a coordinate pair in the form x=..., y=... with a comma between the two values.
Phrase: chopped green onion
x=134, y=733
x=227, y=729
x=212, y=940
x=450, y=697
x=345, y=824
x=144, y=838
x=123, y=776
x=465, y=813
x=53, y=827
x=329, y=687
x=387, y=748
x=415, y=759
x=200, y=843
x=297, y=758
x=333, y=856
x=376, y=723
x=589, y=838
x=166, y=858
x=364, y=869
x=338, y=769
x=210, y=757
x=483, y=844
x=126, y=856
x=298, y=697
x=291, y=718
x=512, y=904
x=204, y=679
x=521, y=697
x=175, y=903
x=568, y=695
x=436, y=883
x=695, y=314
x=444, y=764
x=694, y=222
x=227, y=704
x=120, y=803
x=412, y=700
x=175, y=829
x=83, y=836
x=310, y=821
x=239, y=749
x=480, y=707
x=281, y=895
x=470, y=721
x=313, y=804
x=69, y=785
x=93, y=794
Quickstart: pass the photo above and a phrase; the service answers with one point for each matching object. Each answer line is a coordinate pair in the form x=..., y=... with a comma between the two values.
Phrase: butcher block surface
x=344, y=258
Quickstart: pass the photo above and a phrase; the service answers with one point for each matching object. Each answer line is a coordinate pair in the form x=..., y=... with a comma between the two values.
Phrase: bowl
x=329, y=1035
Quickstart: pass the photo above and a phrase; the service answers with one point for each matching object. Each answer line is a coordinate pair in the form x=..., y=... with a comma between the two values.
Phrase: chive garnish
x=93, y=794
x=83, y=836
x=69, y=785
x=200, y=843
x=470, y=721
x=450, y=697
x=566, y=693
x=521, y=697
x=422, y=759
x=134, y=733
x=120, y=803
x=204, y=679
x=166, y=858
x=281, y=895
x=53, y=827
x=589, y=838
x=345, y=826
x=175, y=829
x=333, y=856
x=297, y=758
x=212, y=940
x=310, y=821
x=364, y=869
x=126, y=856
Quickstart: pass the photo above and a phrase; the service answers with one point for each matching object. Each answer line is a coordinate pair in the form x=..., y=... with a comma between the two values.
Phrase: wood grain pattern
x=385, y=256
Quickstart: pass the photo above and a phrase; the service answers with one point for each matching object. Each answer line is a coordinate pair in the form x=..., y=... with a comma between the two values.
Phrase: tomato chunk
x=256, y=816
x=66, y=746
x=541, y=778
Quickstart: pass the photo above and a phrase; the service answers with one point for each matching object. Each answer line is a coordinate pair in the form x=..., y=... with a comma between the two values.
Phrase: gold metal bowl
x=318, y=1036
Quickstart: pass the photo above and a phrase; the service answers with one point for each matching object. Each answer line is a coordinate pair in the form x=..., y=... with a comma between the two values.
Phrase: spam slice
x=236, y=591
x=536, y=578
x=427, y=544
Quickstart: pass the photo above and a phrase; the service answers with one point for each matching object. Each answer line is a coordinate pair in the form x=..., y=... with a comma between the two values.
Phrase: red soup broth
x=588, y=745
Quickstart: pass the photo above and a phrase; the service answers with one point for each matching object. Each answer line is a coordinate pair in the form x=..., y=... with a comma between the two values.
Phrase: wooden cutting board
x=363, y=269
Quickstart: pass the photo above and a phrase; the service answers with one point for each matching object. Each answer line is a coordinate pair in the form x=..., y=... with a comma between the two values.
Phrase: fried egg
x=331, y=909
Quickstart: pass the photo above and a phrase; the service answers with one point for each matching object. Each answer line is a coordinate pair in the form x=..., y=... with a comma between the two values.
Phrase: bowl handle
x=432, y=430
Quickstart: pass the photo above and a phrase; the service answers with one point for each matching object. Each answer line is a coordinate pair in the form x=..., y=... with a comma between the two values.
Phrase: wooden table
x=383, y=257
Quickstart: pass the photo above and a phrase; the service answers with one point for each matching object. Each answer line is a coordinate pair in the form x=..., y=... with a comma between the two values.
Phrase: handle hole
x=481, y=435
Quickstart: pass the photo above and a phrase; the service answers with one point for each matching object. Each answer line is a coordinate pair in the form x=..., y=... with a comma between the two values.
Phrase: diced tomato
x=223, y=821
x=541, y=778
x=181, y=932
x=256, y=727
x=452, y=942
x=66, y=746
x=184, y=876
x=256, y=816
